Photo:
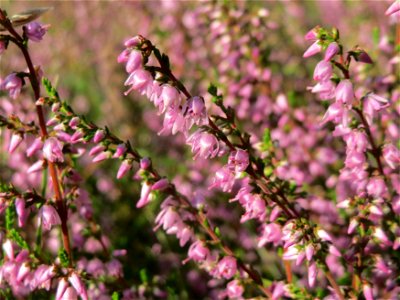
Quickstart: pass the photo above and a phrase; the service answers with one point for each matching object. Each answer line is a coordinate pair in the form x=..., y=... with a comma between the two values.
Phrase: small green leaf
x=10, y=216
x=64, y=259
x=212, y=90
x=17, y=238
x=115, y=296
x=143, y=276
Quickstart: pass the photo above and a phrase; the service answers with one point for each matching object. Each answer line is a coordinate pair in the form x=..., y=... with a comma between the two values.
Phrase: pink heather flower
x=194, y=111
x=126, y=165
x=140, y=80
x=160, y=185
x=290, y=253
x=322, y=234
x=323, y=71
x=170, y=96
x=36, y=167
x=313, y=49
x=48, y=216
x=373, y=103
x=99, y=136
x=13, y=84
x=238, y=160
x=174, y=121
x=61, y=288
x=198, y=252
x=77, y=136
x=74, y=122
x=96, y=150
x=376, y=187
x=42, y=277
x=356, y=141
x=52, y=150
x=312, y=273
x=102, y=156
x=224, y=179
x=77, y=283
x=132, y=42
x=391, y=155
x=134, y=62
x=393, y=8
x=255, y=208
x=22, y=212
x=35, y=146
x=234, y=289
x=119, y=151
x=352, y=226
x=331, y=51
x=334, y=113
x=312, y=35
x=69, y=294
x=344, y=92
x=2, y=47
x=227, y=267
x=325, y=89
x=145, y=163
x=15, y=141
x=270, y=233
x=354, y=159
x=123, y=56
x=309, y=252
x=367, y=292
x=145, y=195
x=8, y=249
x=382, y=237
x=35, y=31
x=203, y=144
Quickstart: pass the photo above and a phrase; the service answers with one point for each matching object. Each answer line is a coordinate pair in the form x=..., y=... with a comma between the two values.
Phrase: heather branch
x=33, y=78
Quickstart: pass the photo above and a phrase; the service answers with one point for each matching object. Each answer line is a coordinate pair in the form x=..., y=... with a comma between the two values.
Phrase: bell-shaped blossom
x=227, y=267
x=352, y=226
x=61, y=288
x=312, y=35
x=96, y=150
x=312, y=273
x=132, y=42
x=313, y=49
x=23, y=272
x=13, y=84
x=393, y=8
x=325, y=89
x=42, y=277
x=78, y=285
x=102, y=156
x=123, y=56
x=52, y=150
x=140, y=80
x=391, y=155
x=290, y=253
x=35, y=31
x=373, y=103
x=15, y=141
x=255, y=208
x=203, y=144
x=382, y=237
x=367, y=292
x=198, y=251
x=331, y=51
x=345, y=92
x=334, y=113
x=323, y=71
x=174, y=121
x=309, y=252
x=35, y=146
x=119, y=151
x=224, y=179
x=48, y=216
x=8, y=249
x=195, y=112
x=145, y=195
x=270, y=233
x=376, y=187
x=356, y=141
x=134, y=61
x=99, y=136
x=126, y=165
x=36, y=167
x=160, y=185
x=170, y=96
x=234, y=289
x=354, y=159
x=238, y=160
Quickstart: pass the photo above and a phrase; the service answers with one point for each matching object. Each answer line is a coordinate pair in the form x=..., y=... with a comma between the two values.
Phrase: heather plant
x=276, y=198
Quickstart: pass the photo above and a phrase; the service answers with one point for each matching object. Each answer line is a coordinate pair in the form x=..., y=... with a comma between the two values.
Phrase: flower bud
x=313, y=49
x=344, y=92
x=126, y=165
x=331, y=51
x=35, y=31
x=134, y=61
x=13, y=84
x=145, y=163
x=15, y=141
